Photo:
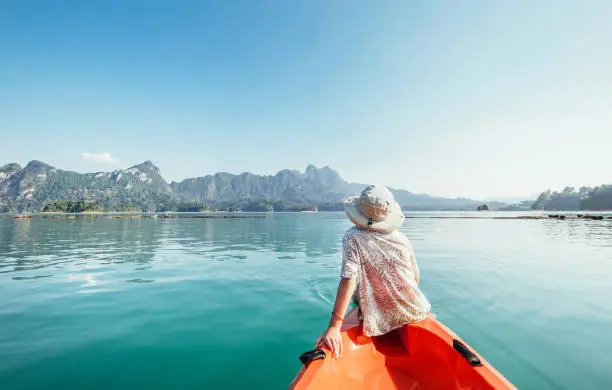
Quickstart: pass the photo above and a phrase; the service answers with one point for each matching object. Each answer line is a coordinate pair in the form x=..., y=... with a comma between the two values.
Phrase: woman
x=379, y=270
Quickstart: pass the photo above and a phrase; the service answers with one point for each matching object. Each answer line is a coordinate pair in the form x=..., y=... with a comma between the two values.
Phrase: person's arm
x=346, y=287
x=350, y=270
x=332, y=337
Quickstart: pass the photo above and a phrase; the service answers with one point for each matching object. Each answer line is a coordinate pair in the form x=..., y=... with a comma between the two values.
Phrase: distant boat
x=22, y=217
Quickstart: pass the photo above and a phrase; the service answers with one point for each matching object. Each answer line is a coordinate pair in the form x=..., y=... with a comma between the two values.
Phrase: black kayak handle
x=466, y=353
x=315, y=354
x=319, y=354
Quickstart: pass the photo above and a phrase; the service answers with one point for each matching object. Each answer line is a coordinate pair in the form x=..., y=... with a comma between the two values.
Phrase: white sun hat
x=375, y=209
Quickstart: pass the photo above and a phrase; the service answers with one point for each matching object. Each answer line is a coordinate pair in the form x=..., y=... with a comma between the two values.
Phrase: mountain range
x=41, y=187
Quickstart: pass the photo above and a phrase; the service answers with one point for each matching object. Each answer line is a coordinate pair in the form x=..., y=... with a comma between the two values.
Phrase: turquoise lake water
x=231, y=303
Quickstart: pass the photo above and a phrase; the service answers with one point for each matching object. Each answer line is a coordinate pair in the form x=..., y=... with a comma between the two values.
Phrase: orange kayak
x=434, y=358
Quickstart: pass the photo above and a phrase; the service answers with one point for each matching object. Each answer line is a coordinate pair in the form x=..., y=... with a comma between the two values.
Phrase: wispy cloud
x=103, y=157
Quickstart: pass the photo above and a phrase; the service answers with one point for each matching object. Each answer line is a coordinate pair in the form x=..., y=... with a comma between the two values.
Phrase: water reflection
x=81, y=252
x=594, y=233
x=284, y=234
x=38, y=248
x=95, y=252
x=98, y=253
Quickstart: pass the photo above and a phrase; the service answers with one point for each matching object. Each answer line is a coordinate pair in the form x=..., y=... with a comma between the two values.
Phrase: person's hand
x=333, y=340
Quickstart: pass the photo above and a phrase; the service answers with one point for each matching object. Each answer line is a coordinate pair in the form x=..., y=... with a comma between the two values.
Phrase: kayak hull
x=423, y=355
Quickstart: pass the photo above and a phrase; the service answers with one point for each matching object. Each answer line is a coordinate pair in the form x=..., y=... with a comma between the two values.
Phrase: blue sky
x=479, y=98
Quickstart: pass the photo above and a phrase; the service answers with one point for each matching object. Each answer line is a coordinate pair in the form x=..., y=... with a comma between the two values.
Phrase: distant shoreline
x=540, y=215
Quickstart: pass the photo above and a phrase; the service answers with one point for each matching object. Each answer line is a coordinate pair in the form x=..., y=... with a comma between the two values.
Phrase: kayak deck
x=435, y=358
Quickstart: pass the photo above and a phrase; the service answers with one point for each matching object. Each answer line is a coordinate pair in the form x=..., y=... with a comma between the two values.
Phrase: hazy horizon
x=481, y=100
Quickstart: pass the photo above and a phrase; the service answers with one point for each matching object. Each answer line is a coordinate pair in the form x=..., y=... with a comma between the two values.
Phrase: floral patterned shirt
x=387, y=277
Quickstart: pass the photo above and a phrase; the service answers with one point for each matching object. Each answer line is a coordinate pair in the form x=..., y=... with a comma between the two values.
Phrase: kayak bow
x=435, y=358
